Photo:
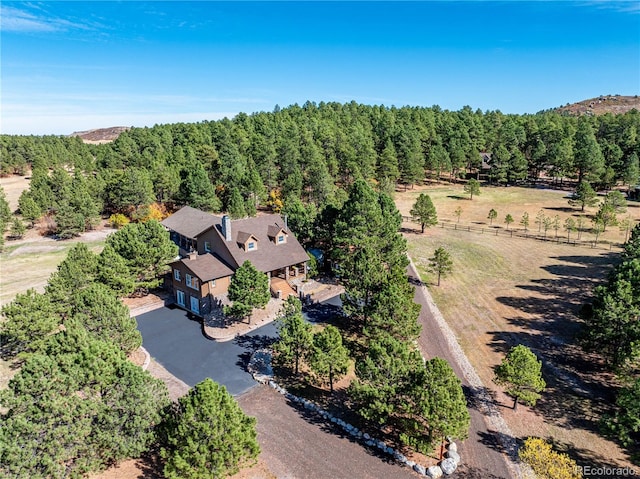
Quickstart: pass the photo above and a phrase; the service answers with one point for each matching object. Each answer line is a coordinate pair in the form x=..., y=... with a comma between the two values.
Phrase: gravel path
x=490, y=451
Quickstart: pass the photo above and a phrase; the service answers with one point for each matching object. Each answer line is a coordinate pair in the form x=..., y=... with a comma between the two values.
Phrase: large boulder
x=434, y=472
x=448, y=466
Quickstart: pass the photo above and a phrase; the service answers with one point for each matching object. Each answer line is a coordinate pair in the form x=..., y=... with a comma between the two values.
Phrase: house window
x=280, y=238
x=212, y=283
x=191, y=281
x=207, y=247
x=180, y=297
x=176, y=274
x=251, y=245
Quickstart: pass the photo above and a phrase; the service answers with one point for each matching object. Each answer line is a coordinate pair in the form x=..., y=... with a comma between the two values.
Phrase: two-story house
x=213, y=247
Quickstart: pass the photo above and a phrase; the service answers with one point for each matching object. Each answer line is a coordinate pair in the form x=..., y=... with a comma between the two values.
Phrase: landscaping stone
x=448, y=466
x=434, y=472
x=452, y=446
x=419, y=468
x=453, y=455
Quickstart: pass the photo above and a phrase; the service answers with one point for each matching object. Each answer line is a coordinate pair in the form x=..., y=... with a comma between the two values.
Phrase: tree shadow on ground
x=564, y=209
x=328, y=427
x=150, y=466
x=549, y=325
x=482, y=399
x=496, y=440
x=471, y=472
x=322, y=313
x=251, y=344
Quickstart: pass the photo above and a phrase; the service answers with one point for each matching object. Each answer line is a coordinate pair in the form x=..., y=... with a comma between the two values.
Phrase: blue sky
x=69, y=66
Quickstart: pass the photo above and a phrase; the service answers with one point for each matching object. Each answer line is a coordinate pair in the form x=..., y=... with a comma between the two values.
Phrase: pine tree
x=29, y=209
x=17, y=228
x=78, y=270
x=106, y=317
x=5, y=210
x=76, y=407
x=441, y=405
x=424, y=211
x=208, y=435
x=196, y=190
x=249, y=289
x=235, y=205
x=508, y=220
x=114, y=272
x=525, y=221
x=394, y=312
x=521, y=372
x=296, y=339
x=441, y=263
x=28, y=320
x=584, y=196
x=493, y=214
x=146, y=248
x=69, y=222
x=385, y=378
x=472, y=188
x=329, y=359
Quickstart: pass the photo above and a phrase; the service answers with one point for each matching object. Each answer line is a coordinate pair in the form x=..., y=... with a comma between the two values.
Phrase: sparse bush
x=118, y=220
x=547, y=463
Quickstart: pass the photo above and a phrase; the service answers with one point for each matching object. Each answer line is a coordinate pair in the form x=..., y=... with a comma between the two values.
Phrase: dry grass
x=13, y=187
x=29, y=264
x=508, y=291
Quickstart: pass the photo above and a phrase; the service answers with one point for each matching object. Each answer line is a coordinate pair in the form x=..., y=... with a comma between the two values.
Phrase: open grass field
x=507, y=291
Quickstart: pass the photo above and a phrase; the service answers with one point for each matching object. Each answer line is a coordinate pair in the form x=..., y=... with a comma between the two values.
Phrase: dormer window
x=281, y=238
x=247, y=241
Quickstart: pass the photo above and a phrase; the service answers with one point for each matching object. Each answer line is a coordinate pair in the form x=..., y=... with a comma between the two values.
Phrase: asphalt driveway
x=176, y=341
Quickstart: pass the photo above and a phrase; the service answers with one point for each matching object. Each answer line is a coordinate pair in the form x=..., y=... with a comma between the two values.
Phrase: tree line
x=612, y=329
x=311, y=153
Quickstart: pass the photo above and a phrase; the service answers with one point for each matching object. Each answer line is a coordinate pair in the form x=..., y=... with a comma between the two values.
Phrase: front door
x=180, y=297
x=195, y=305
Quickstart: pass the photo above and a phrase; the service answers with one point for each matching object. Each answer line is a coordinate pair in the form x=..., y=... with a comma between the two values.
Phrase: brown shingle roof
x=269, y=256
x=243, y=236
x=206, y=267
x=190, y=222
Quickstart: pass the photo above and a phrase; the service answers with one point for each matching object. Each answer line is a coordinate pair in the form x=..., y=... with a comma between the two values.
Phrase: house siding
x=205, y=294
x=217, y=244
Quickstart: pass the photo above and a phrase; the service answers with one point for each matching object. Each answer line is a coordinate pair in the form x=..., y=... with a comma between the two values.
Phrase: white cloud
x=22, y=21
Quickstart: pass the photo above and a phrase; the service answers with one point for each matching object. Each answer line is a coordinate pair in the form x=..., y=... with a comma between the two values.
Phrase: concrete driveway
x=176, y=341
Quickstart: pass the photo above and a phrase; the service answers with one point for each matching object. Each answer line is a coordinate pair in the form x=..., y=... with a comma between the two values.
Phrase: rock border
x=260, y=368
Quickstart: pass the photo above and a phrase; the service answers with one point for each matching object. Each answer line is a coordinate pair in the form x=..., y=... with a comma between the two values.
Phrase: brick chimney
x=226, y=228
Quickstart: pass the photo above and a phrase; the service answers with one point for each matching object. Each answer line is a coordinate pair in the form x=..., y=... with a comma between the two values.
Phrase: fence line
x=522, y=234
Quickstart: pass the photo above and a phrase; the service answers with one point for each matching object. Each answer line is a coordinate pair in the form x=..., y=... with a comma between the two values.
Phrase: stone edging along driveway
x=491, y=413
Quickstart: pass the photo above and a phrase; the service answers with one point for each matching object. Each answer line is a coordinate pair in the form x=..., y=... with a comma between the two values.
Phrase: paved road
x=177, y=343
x=481, y=453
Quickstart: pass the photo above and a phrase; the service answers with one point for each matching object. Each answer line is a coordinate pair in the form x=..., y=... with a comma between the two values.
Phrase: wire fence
x=551, y=236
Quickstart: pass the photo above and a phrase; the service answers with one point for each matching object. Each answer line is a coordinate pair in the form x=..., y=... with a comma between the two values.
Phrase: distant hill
x=616, y=104
x=100, y=135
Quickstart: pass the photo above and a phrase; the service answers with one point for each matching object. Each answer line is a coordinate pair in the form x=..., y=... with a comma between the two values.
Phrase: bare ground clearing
x=13, y=187
x=507, y=291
